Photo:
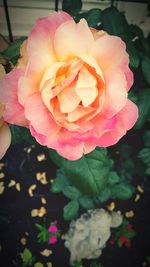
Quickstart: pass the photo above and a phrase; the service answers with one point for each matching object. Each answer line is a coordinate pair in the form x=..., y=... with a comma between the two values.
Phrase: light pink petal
x=40, y=138
x=68, y=99
x=75, y=152
x=100, y=126
x=110, y=53
x=79, y=112
x=5, y=139
x=40, y=117
x=86, y=87
x=26, y=87
x=125, y=120
x=73, y=39
x=127, y=117
x=72, y=153
x=61, y=140
x=47, y=82
x=40, y=54
x=88, y=148
x=40, y=41
x=115, y=93
x=14, y=112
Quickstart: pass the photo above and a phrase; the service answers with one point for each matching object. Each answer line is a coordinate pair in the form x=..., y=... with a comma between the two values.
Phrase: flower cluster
x=124, y=235
x=49, y=234
x=53, y=230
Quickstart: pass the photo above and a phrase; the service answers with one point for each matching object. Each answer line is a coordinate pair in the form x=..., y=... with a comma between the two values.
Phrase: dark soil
x=16, y=222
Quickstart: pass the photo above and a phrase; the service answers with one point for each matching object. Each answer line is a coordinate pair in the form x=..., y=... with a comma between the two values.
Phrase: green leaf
x=19, y=134
x=146, y=69
x=133, y=97
x=93, y=17
x=114, y=22
x=77, y=264
x=146, y=138
x=86, y=202
x=130, y=235
x=133, y=55
x=119, y=244
x=144, y=154
x=71, y=6
x=132, y=51
x=71, y=192
x=104, y=196
x=90, y=173
x=144, y=107
x=59, y=183
x=71, y=210
x=13, y=50
x=135, y=31
x=39, y=226
x=113, y=178
x=56, y=158
x=147, y=171
x=27, y=257
x=122, y=191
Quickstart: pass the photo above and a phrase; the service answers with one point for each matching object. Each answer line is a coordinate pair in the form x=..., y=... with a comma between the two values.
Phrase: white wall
x=23, y=13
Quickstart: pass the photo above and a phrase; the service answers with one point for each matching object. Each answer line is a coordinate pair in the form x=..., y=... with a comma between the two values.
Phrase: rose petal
x=14, y=112
x=110, y=53
x=125, y=121
x=68, y=99
x=73, y=39
x=86, y=87
x=40, y=40
x=71, y=153
x=115, y=93
x=39, y=116
x=5, y=139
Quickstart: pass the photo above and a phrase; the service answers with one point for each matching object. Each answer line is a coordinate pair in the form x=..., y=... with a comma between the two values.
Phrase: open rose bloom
x=70, y=87
x=5, y=135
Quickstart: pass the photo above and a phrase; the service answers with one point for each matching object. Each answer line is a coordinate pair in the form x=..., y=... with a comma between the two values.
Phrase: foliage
x=43, y=234
x=27, y=258
x=12, y=52
x=123, y=235
x=144, y=153
x=87, y=189
x=72, y=7
x=20, y=134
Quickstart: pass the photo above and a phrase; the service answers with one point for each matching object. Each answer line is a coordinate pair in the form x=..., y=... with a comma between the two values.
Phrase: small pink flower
x=53, y=229
x=53, y=239
x=122, y=239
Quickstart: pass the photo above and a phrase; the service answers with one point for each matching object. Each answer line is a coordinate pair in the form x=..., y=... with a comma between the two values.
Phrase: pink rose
x=53, y=229
x=70, y=87
x=53, y=239
x=5, y=135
